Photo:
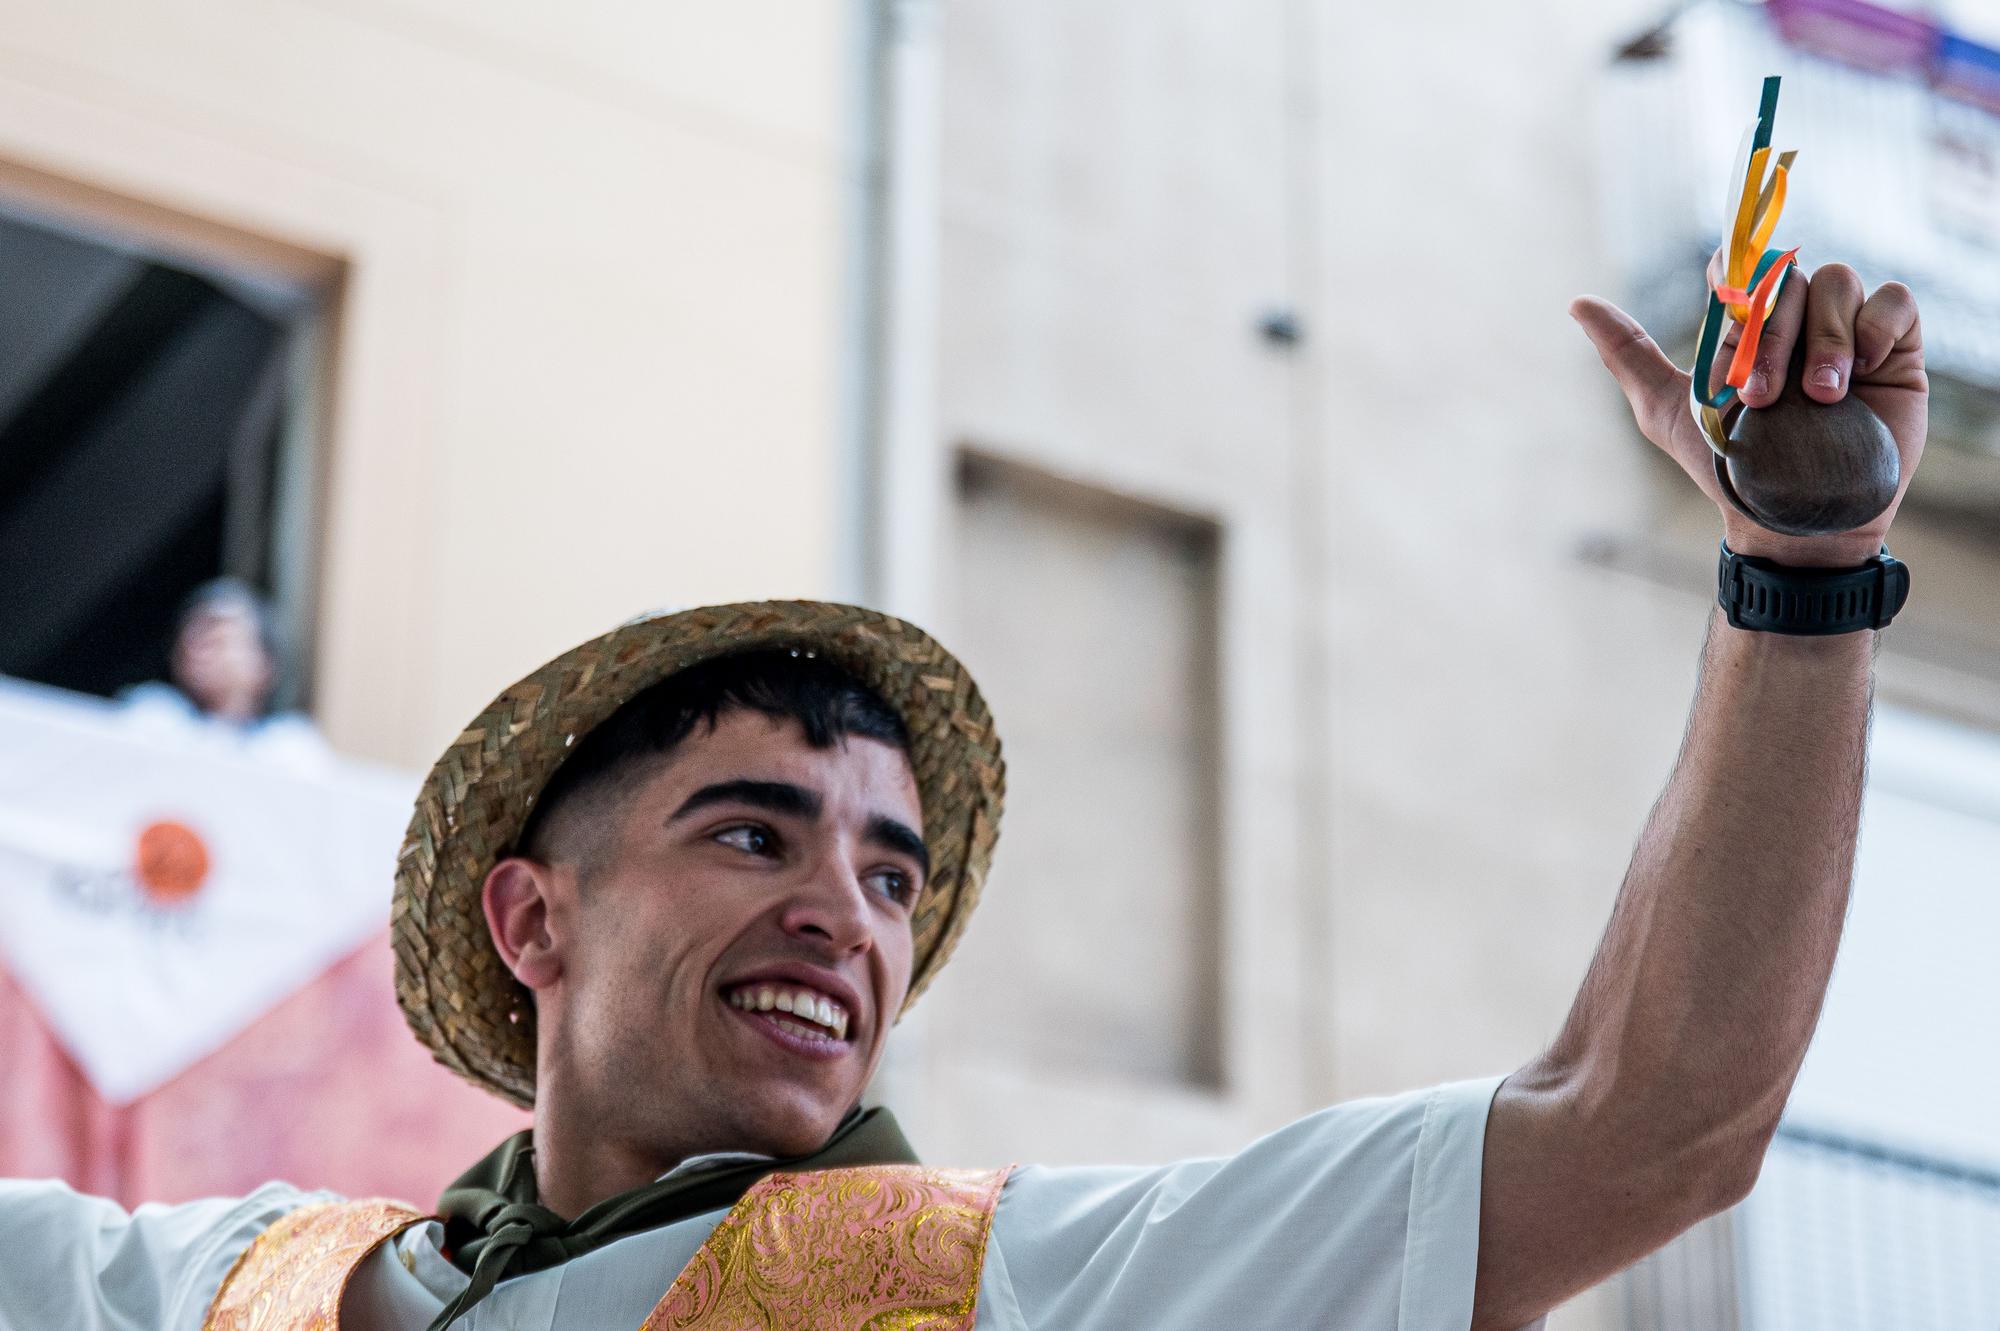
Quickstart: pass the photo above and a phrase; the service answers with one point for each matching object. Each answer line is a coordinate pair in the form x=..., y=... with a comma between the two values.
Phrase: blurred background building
x=1199, y=372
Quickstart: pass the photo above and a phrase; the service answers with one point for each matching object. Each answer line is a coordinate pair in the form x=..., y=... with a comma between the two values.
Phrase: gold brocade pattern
x=291, y=1278
x=880, y=1248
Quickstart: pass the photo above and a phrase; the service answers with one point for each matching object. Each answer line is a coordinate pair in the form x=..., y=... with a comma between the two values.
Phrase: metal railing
x=1841, y=1234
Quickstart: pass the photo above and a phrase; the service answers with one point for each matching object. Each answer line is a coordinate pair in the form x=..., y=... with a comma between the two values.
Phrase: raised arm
x=1655, y=1104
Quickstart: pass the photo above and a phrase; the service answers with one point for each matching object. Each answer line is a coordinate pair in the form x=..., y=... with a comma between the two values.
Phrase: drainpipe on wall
x=893, y=467
x=896, y=471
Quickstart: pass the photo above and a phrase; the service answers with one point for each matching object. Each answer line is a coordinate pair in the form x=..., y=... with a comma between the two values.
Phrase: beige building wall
x=1460, y=601
x=1114, y=214
x=587, y=262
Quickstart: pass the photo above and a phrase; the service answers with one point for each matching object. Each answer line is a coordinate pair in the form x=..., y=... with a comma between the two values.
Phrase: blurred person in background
x=223, y=674
x=673, y=889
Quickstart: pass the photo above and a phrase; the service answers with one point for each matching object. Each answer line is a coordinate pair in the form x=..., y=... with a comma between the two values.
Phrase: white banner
x=163, y=887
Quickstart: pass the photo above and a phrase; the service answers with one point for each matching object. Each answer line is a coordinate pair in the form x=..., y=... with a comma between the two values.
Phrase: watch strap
x=1769, y=597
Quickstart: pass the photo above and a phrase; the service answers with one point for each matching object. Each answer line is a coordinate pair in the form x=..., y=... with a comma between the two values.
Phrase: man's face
x=220, y=662
x=748, y=873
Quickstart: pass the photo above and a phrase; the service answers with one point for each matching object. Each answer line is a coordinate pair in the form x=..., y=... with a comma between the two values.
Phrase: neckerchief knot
x=496, y=1226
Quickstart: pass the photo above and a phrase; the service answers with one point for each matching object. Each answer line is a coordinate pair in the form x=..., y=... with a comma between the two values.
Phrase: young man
x=674, y=888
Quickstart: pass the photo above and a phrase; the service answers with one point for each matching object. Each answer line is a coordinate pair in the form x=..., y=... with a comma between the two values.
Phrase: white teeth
x=800, y=1028
x=808, y=1006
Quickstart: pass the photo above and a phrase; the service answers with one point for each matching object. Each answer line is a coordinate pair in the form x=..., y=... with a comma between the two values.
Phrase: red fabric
x=327, y=1090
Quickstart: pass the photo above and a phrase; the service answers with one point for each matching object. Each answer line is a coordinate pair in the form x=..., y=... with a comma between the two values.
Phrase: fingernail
x=1760, y=383
x=1826, y=376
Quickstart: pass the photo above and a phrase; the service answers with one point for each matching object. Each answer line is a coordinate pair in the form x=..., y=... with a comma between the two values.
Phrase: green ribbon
x=496, y=1226
x=1713, y=320
x=1711, y=334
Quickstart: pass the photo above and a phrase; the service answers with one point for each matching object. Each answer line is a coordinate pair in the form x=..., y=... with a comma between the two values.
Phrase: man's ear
x=516, y=900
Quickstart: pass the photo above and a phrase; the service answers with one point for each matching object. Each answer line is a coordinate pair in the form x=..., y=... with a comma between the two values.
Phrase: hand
x=1872, y=347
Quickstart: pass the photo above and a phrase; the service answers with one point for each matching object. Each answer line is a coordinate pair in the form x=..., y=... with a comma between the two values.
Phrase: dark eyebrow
x=892, y=835
x=797, y=801
x=774, y=796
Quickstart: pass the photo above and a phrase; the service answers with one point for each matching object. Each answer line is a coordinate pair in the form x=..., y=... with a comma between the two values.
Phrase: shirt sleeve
x=77, y=1263
x=1364, y=1216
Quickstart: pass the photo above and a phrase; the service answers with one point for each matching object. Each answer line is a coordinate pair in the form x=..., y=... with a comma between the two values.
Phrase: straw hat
x=458, y=995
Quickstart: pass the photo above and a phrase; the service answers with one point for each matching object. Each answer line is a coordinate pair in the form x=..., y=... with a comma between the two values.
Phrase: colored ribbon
x=1753, y=275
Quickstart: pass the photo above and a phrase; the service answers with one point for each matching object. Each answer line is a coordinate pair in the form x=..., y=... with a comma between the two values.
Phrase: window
x=1090, y=621
x=150, y=440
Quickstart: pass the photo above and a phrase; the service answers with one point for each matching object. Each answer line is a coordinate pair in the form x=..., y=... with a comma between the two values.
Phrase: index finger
x=1886, y=324
x=1782, y=330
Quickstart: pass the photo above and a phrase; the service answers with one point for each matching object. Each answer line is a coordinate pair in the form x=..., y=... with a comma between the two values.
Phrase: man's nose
x=831, y=904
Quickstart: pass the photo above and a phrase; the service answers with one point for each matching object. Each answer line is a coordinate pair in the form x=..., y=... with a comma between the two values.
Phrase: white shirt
x=286, y=739
x=1365, y=1215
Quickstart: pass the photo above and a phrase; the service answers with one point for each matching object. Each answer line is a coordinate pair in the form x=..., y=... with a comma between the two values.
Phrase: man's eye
x=895, y=885
x=756, y=840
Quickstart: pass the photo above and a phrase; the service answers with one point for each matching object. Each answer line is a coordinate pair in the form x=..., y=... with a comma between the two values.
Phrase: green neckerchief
x=496, y=1227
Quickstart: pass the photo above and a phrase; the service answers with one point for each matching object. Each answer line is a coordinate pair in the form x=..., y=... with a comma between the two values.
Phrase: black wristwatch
x=1770, y=597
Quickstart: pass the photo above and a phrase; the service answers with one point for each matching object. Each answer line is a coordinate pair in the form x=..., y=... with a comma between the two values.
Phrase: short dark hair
x=828, y=703
x=231, y=596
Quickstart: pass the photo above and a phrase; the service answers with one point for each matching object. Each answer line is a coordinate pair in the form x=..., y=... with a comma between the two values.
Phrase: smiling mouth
x=795, y=1010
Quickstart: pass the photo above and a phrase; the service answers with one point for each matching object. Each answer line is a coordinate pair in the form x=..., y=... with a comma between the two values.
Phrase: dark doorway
x=144, y=409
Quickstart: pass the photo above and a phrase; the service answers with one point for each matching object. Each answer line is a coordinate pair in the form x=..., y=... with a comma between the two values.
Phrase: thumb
x=1653, y=385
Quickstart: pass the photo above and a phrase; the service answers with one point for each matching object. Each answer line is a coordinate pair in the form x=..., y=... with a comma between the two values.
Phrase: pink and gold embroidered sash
x=880, y=1248
x=291, y=1278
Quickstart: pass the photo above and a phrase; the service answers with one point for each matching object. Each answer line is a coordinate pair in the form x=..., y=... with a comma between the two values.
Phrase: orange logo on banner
x=172, y=861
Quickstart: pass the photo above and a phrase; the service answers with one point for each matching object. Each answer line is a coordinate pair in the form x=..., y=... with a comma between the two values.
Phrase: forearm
x=1692, y=1022
x=1653, y=1107
x=1697, y=1010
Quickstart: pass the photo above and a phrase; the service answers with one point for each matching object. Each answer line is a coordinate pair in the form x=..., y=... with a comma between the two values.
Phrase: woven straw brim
x=459, y=996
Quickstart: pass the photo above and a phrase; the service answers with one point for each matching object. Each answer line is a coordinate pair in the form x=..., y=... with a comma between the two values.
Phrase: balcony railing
x=1841, y=1234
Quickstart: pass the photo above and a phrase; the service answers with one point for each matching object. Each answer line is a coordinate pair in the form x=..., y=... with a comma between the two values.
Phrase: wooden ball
x=1806, y=468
